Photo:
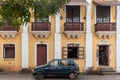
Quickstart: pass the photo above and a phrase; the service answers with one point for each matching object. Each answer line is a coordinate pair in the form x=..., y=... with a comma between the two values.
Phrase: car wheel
x=72, y=76
x=40, y=75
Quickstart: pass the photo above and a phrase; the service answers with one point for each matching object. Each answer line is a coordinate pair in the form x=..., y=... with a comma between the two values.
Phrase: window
x=54, y=63
x=45, y=19
x=73, y=51
x=103, y=14
x=66, y=63
x=73, y=14
x=8, y=51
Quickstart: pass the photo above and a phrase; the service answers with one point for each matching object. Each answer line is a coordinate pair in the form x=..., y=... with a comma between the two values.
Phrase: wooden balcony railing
x=105, y=27
x=8, y=28
x=41, y=26
x=74, y=26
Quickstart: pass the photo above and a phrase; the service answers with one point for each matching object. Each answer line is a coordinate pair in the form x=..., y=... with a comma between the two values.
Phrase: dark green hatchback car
x=57, y=67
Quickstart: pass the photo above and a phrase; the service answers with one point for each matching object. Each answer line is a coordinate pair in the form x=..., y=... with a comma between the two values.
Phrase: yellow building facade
x=84, y=30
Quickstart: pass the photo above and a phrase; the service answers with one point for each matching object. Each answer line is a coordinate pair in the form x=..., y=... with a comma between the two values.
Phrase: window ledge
x=7, y=59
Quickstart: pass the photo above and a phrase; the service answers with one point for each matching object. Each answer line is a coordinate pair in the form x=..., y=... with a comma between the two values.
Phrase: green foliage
x=17, y=12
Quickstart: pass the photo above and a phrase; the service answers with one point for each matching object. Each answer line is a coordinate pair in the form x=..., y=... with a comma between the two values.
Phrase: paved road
x=14, y=76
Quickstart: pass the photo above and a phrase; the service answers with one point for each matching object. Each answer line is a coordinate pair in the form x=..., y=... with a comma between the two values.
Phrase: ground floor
x=103, y=55
x=88, y=51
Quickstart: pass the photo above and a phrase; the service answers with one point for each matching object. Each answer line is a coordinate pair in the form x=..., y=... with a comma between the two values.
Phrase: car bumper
x=34, y=73
x=77, y=72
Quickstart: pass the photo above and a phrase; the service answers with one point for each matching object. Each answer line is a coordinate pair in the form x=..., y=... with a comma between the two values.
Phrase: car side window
x=54, y=63
x=64, y=63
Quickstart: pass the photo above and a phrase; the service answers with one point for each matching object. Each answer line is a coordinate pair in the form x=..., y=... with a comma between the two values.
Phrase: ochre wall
x=11, y=64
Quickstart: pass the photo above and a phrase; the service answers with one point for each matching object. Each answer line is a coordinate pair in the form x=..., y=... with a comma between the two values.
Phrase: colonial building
x=87, y=31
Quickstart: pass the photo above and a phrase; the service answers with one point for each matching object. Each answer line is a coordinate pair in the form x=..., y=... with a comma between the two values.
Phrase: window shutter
x=81, y=53
x=64, y=52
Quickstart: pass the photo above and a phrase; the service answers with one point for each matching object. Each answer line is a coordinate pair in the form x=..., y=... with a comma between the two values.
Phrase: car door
x=65, y=67
x=52, y=67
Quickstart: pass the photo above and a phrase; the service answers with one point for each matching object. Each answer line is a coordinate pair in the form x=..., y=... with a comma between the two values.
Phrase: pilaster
x=57, y=43
x=88, y=37
x=25, y=41
x=118, y=41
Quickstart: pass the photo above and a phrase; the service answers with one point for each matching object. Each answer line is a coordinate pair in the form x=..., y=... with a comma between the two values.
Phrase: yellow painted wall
x=11, y=64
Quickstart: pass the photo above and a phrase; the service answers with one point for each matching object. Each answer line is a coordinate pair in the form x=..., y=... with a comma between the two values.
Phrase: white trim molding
x=25, y=45
x=88, y=37
x=57, y=46
x=118, y=41
x=35, y=55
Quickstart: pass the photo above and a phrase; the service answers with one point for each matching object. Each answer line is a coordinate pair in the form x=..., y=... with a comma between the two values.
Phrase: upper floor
x=73, y=20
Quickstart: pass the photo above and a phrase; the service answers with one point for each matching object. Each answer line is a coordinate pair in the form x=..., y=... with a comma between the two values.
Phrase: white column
x=118, y=41
x=88, y=37
x=25, y=47
x=57, y=38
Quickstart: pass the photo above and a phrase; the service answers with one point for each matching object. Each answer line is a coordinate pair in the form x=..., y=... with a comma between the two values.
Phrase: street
x=16, y=76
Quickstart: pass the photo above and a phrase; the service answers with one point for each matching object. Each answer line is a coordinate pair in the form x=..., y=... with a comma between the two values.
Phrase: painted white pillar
x=57, y=45
x=25, y=47
x=88, y=37
x=118, y=41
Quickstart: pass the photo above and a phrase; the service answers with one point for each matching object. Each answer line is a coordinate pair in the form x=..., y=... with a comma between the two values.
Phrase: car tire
x=72, y=76
x=40, y=75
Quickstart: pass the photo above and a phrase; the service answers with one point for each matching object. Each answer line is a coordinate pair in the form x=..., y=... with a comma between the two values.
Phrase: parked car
x=61, y=67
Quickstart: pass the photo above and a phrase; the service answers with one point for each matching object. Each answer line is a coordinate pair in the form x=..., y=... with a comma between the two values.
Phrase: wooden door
x=41, y=54
x=104, y=55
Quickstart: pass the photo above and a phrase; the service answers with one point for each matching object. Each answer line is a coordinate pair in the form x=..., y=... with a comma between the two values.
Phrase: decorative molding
x=41, y=34
x=8, y=34
x=73, y=34
x=105, y=34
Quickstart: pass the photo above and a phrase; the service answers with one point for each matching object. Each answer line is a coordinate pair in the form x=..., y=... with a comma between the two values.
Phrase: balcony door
x=72, y=13
x=102, y=14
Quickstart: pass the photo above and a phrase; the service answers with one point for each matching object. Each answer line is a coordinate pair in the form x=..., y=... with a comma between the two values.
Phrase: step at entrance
x=106, y=70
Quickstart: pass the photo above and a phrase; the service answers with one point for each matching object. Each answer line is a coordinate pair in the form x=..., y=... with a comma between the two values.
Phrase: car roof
x=64, y=59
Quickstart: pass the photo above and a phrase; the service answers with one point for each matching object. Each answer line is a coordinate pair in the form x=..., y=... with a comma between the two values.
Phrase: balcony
x=73, y=29
x=105, y=30
x=41, y=29
x=8, y=31
x=78, y=2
